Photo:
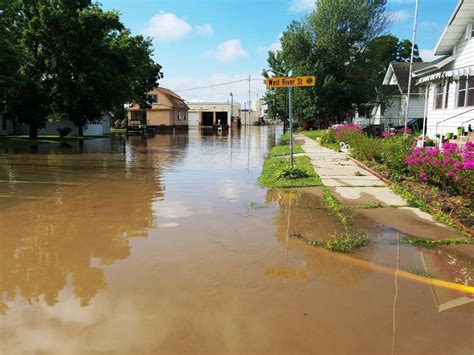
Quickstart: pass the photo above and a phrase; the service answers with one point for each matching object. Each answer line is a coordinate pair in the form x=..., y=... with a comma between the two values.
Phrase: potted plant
x=449, y=135
x=460, y=131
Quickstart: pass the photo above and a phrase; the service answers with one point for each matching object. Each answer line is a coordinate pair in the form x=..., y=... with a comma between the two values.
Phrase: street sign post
x=282, y=82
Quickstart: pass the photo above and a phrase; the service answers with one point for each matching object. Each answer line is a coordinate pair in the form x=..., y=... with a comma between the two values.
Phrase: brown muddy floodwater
x=167, y=245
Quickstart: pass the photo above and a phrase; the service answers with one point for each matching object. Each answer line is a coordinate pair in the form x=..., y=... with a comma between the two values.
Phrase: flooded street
x=168, y=245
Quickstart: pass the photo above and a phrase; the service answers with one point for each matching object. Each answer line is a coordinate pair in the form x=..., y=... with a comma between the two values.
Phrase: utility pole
x=249, y=98
x=411, y=67
x=231, y=109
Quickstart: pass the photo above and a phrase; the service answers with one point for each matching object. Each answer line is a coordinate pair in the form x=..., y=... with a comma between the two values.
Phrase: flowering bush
x=450, y=168
x=342, y=130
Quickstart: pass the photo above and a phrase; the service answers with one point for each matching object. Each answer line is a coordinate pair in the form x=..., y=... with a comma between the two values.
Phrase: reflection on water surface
x=167, y=244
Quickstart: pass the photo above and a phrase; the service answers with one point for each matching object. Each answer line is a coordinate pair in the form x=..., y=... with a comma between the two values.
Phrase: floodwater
x=167, y=245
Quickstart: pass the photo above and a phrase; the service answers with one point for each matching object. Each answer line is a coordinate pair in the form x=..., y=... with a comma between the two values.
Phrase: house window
x=4, y=123
x=466, y=91
x=439, y=93
x=138, y=116
x=154, y=99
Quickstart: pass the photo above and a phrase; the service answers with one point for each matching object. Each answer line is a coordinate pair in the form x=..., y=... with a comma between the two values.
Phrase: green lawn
x=273, y=167
x=118, y=130
x=285, y=150
x=313, y=134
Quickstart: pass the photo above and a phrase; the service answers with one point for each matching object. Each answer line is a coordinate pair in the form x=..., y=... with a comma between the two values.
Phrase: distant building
x=395, y=91
x=99, y=127
x=168, y=110
x=210, y=114
x=6, y=126
x=449, y=81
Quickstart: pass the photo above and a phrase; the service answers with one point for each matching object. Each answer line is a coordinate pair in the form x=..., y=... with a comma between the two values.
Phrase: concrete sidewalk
x=357, y=187
x=348, y=182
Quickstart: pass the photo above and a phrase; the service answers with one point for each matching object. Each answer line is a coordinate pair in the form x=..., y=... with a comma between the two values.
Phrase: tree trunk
x=33, y=131
x=80, y=130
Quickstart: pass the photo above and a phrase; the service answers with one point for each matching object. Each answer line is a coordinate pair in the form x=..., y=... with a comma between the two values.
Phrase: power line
x=221, y=84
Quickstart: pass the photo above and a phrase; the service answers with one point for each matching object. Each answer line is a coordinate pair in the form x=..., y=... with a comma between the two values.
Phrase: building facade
x=94, y=128
x=168, y=110
x=448, y=82
x=210, y=114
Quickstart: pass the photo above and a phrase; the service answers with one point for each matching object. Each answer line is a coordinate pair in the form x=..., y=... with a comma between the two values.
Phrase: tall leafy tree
x=31, y=102
x=99, y=64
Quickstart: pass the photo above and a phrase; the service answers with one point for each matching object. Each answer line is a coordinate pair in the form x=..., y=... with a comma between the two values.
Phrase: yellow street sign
x=286, y=82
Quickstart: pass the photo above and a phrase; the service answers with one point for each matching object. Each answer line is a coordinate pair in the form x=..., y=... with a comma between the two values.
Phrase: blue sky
x=206, y=42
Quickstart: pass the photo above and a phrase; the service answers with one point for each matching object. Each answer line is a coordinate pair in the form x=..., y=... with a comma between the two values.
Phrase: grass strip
x=336, y=207
x=313, y=134
x=431, y=243
x=274, y=167
x=280, y=150
x=344, y=243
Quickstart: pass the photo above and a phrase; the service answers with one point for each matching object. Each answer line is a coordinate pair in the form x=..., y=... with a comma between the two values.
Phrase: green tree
x=404, y=52
x=99, y=64
x=9, y=55
x=31, y=99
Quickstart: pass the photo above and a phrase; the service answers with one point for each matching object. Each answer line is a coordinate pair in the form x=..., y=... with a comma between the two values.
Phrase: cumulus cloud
x=275, y=46
x=166, y=26
x=401, y=15
x=427, y=55
x=205, y=30
x=302, y=5
x=227, y=51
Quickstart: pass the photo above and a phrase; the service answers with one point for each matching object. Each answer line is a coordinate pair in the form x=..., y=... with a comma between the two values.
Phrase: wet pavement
x=168, y=245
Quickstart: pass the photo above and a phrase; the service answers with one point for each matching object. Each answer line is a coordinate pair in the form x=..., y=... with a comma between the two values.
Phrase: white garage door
x=193, y=118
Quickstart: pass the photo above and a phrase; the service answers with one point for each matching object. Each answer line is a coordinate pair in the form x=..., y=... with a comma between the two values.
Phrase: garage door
x=193, y=118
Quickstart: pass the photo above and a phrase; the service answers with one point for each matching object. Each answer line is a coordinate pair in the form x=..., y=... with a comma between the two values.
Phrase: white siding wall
x=464, y=53
x=92, y=129
x=437, y=115
x=9, y=129
x=464, y=57
x=417, y=106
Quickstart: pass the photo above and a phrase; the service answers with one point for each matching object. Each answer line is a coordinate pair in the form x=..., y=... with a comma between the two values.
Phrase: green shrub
x=292, y=172
x=327, y=137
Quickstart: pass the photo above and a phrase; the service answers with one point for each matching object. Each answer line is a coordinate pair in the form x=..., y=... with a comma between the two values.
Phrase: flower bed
x=450, y=168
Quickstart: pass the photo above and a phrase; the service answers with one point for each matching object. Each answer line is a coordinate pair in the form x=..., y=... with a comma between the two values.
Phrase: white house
x=6, y=126
x=395, y=87
x=448, y=82
x=97, y=128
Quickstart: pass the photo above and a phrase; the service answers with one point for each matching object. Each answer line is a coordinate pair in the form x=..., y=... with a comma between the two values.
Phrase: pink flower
x=457, y=165
x=423, y=177
x=469, y=145
x=450, y=173
x=469, y=165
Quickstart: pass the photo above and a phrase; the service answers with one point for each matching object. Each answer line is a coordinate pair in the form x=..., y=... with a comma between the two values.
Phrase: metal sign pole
x=290, y=90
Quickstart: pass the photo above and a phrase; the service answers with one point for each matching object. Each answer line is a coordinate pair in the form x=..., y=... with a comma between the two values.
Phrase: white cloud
x=275, y=46
x=217, y=93
x=227, y=51
x=427, y=55
x=166, y=26
x=401, y=15
x=205, y=30
x=302, y=5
